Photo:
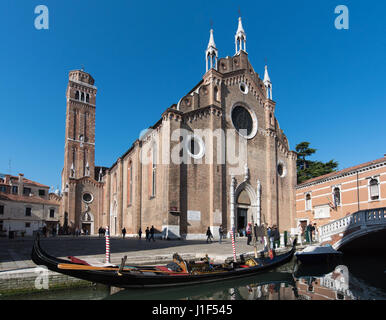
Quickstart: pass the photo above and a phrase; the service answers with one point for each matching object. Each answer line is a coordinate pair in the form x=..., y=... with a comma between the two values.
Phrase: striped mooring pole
x=233, y=245
x=107, y=260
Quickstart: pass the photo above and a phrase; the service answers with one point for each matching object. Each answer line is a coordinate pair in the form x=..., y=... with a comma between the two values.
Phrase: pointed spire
x=211, y=43
x=211, y=53
x=240, y=38
x=268, y=84
x=266, y=75
x=240, y=29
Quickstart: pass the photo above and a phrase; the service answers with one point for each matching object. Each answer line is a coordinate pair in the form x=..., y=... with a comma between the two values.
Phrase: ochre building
x=217, y=157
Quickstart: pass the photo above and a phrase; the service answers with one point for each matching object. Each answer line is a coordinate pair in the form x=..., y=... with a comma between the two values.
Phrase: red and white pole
x=107, y=260
x=233, y=245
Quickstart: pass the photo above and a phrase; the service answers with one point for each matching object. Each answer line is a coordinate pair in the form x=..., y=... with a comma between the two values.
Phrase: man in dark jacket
x=276, y=236
x=209, y=235
x=152, y=233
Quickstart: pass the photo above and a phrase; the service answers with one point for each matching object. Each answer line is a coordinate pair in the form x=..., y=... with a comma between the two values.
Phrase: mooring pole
x=107, y=259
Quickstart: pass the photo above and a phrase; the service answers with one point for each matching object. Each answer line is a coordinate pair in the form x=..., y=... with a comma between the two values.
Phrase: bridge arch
x=342, y=231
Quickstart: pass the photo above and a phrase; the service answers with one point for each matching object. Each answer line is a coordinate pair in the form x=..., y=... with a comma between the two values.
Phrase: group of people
x=149, y=233
x=209, y=235
x=101, y=232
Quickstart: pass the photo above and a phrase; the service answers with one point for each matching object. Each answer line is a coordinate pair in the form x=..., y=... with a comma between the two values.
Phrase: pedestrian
x=152, y=233
x=221, y=233
x=276, y=236
x=123, y=232
x=100, y=232
x=45, y=231
x=147, y=234
x=315, y=232
x=255, y=228
x=249, y=233
x=270, y=237
x=209, y=235
x=309, y=233
x=139, y=233
x=260, y=233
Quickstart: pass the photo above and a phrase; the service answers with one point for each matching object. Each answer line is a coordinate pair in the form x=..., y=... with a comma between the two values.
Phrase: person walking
x=270, y=237
x=123, y=232
x=140, y=233
x=309, y=233
x=276, y=237
x=147, y=231
x=221, y=233
x=260, y=233
x=209, y=235
x=249, y=233
x=315, y=232
x=152, y=233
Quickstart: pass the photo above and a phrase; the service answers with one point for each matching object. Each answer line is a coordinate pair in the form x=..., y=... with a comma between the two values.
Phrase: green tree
x=307, y=169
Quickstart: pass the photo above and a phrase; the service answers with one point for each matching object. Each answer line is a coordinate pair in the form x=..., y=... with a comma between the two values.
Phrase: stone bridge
x=358, y=224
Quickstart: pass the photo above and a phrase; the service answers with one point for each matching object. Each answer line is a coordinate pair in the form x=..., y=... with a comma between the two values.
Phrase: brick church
x=217, y=157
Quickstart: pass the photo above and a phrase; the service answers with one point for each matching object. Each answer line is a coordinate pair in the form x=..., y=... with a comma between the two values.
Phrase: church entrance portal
x=86, y=228
x=242, y=215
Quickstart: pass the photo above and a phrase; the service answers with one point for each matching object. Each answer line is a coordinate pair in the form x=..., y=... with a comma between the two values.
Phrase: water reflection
x=328, y=282
x=268, y=286
x=288, y=282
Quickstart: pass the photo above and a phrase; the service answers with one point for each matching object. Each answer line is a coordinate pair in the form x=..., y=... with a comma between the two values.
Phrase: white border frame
x=199, y=141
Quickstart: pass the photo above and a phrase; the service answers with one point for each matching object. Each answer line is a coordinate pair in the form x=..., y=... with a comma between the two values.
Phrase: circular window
x=244, y=121
x=87, y=197
x=281, y=171
x=195, y=147
x=243, y=88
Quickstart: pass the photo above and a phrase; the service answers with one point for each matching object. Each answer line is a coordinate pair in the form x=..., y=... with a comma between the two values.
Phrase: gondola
x=159, y=276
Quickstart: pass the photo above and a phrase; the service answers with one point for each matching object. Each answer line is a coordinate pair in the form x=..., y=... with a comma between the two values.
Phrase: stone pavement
x=15, y=253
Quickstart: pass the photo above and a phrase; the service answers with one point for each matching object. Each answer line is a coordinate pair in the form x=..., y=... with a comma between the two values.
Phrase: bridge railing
x=361, y=219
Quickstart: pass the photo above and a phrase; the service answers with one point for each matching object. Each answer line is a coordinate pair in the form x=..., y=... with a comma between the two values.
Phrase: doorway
x=86, y=228
x=242, y=214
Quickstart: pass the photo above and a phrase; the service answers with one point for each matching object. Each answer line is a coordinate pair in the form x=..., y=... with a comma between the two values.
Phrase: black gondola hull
x=130, y=279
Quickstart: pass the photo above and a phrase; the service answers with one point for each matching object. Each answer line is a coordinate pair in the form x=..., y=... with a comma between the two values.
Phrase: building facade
x=26, y=206
x=217, y=157
x=338, y=194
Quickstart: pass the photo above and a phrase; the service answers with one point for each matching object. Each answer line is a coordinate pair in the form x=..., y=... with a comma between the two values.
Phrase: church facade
x=217, y=157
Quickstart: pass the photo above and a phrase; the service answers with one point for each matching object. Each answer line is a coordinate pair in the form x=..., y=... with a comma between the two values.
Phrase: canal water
x=353, y=278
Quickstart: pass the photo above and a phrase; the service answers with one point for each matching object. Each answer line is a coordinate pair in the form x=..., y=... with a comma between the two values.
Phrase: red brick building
x=335, y=195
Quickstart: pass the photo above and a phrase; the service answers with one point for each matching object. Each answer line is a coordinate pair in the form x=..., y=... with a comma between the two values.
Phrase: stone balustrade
x=357, y=221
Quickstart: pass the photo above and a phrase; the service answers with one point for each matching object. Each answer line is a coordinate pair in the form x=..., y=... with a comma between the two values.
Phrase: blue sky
x=329, y=84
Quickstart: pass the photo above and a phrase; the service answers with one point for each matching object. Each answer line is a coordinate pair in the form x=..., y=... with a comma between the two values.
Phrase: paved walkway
x=15, y=253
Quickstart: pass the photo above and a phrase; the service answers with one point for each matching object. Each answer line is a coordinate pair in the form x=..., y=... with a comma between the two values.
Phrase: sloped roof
x=343, y=172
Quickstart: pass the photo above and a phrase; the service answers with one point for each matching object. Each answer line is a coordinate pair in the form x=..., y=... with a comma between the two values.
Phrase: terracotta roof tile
x=341, y=172
x=27, y=199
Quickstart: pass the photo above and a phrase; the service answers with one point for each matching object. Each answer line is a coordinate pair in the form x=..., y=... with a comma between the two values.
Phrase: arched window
x=82, y=96
x=336, y=196
x=308, y=201
x=77, y=95
x=87, y=98
x=374, y=189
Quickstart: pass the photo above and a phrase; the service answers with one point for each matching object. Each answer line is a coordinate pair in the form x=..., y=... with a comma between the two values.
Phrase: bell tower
x=79, y=150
